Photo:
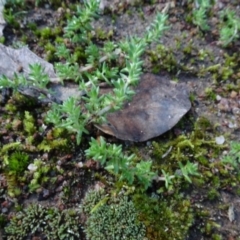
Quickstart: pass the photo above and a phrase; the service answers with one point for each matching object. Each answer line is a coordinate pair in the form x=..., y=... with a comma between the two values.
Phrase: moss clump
x=213, y=194
x=111, y=218
x=163, y=59
x=49, y=223
x=164, y=218
x=199, y=145
x=15, y=165
x=17, y=162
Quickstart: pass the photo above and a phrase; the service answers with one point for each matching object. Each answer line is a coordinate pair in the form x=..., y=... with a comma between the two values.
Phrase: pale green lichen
x=50, y=223
x=111, y=218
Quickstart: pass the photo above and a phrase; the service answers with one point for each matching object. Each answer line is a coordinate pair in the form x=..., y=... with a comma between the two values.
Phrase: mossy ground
x=196, y=210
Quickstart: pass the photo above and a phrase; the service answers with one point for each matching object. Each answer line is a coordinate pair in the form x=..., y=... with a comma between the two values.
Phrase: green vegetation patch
x=112, y=217
x=165, y=217
x=47, y=222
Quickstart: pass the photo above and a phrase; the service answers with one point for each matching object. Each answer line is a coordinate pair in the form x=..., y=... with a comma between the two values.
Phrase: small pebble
x=233, y=94
x=223, y=105
x=4, y=210
x=236, y=110
x=80, y=164
x=45, y=193
x=32, y=167
x=46, y=6
x=148, y=143
x=45, y=156
x=218, y=98
x=232, y=125
x=231, y=214
x=220, y=140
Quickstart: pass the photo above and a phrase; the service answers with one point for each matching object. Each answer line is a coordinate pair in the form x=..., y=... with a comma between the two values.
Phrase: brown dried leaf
x=155, y=108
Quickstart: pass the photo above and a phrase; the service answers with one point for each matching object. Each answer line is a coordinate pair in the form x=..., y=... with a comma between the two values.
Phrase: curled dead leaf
x=155, y=108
